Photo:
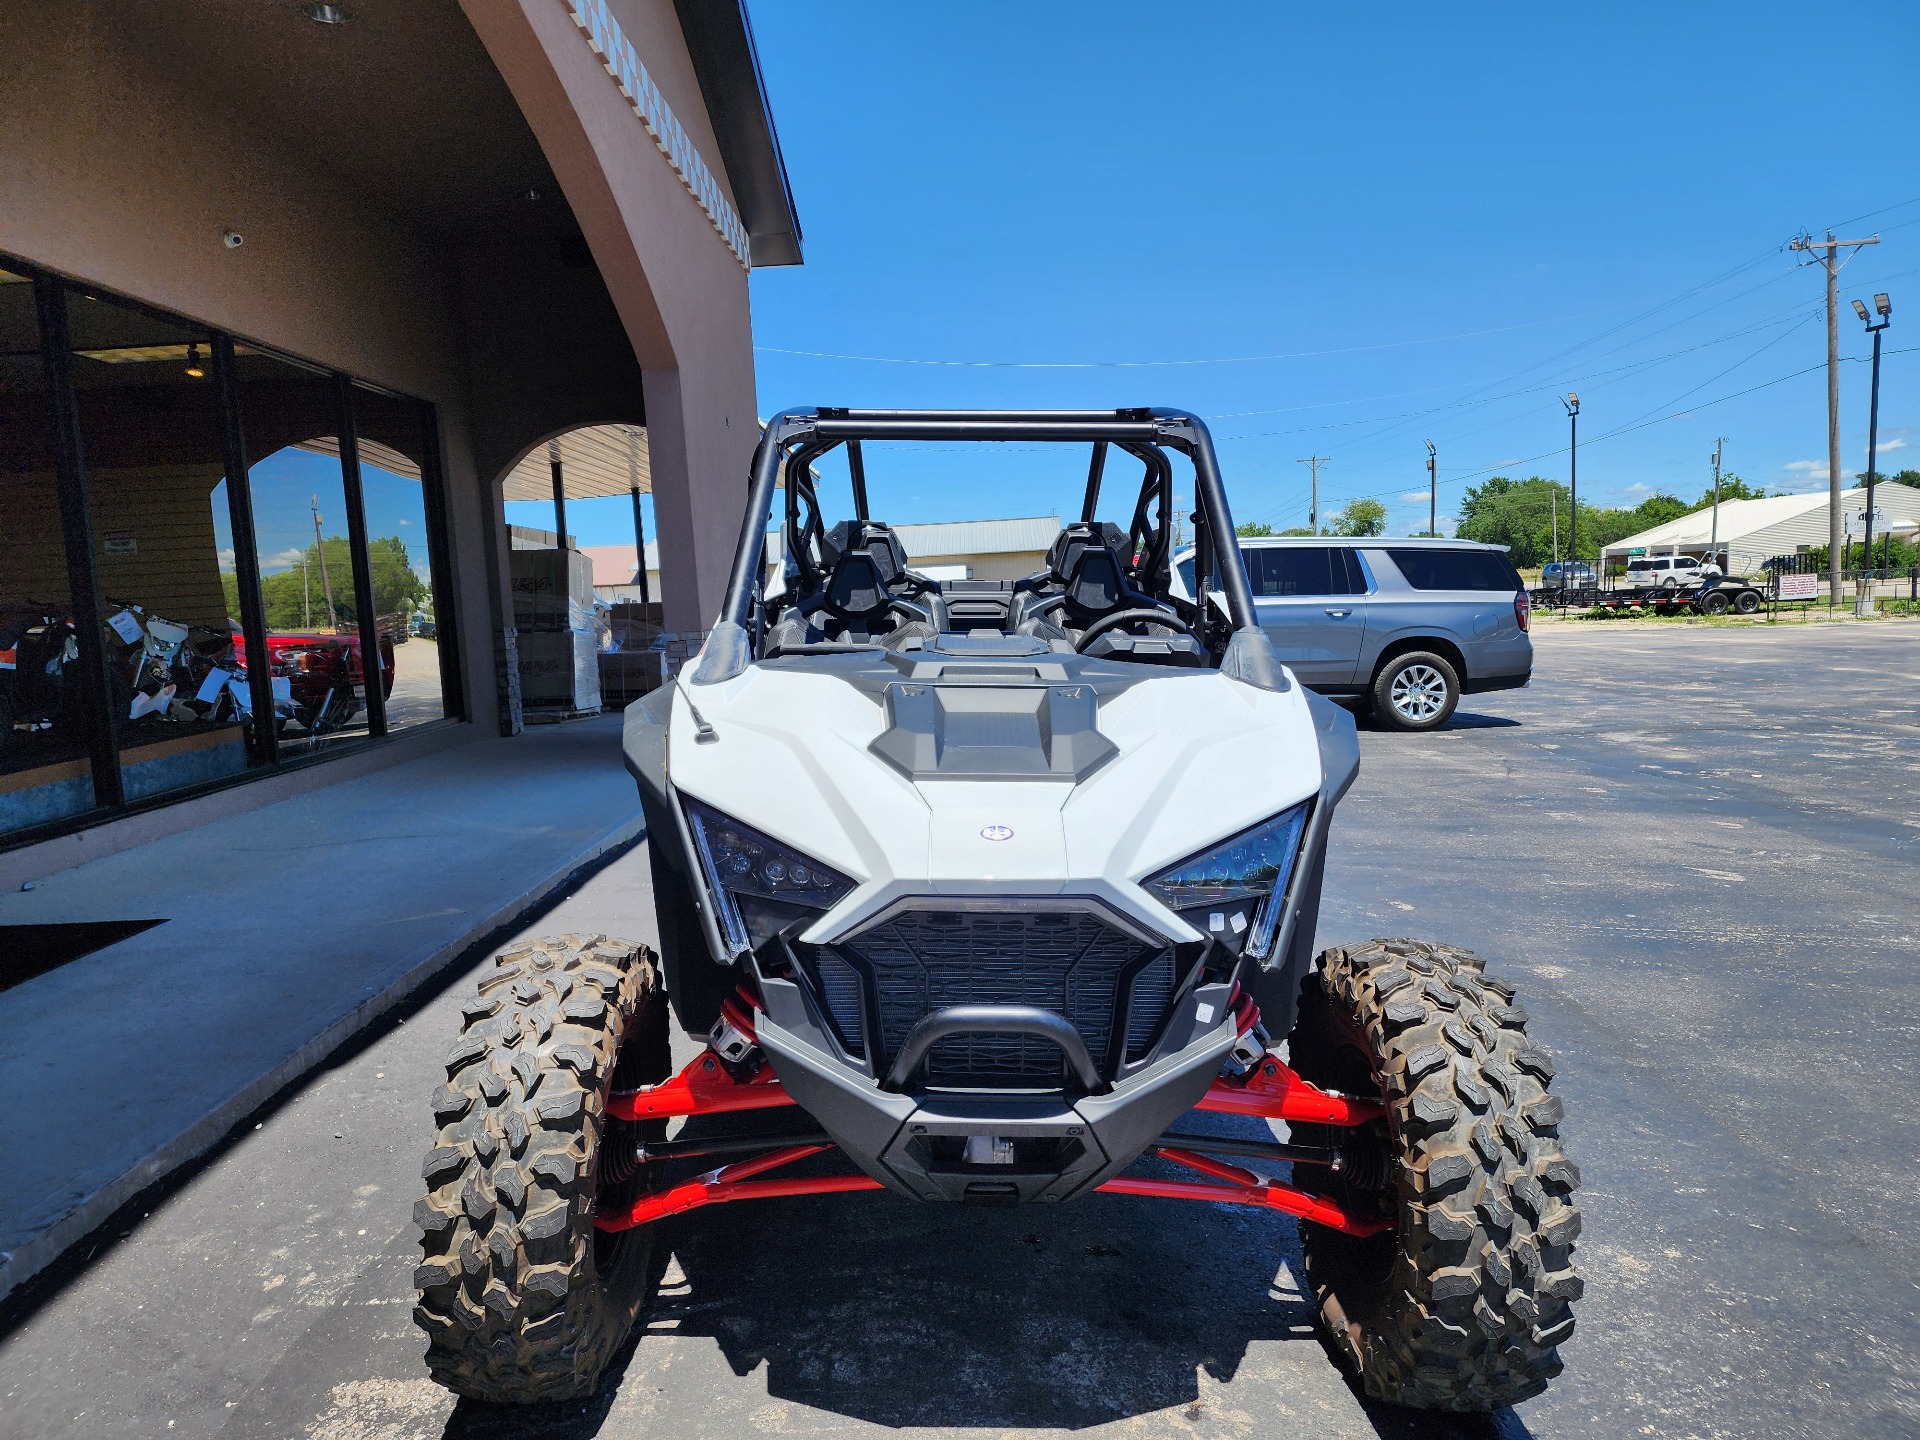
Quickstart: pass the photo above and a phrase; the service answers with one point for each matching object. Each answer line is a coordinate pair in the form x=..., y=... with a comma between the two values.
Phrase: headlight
x=1235, y=890
x=759, y=885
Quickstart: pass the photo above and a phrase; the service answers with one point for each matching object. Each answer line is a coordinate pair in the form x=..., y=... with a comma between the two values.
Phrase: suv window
x=1275, y=570
x=1456, y=569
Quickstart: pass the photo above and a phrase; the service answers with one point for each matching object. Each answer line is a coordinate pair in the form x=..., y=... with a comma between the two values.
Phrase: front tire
x=522, y=1299
x=1416, y=691
x=1462, y=1305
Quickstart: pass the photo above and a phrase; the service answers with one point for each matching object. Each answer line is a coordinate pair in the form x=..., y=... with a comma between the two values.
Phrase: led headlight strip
x=739, y=862
x=1215, y=890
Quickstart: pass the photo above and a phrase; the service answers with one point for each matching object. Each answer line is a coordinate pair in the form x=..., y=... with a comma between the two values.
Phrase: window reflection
x=45, y=773
x=394, y=457
x=306, y=565
x=151, y=439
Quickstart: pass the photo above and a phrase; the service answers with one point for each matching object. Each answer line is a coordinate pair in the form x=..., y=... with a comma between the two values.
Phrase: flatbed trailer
x=1715, y=597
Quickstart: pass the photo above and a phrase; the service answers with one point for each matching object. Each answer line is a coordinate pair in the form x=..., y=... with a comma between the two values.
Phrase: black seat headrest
x=1083, y=535
x=875, y=540
x=1095, y=582
x=855, y=590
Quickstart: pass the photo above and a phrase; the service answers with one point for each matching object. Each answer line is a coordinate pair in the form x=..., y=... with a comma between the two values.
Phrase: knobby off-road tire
x=520, y=1297
x=1462, y=1305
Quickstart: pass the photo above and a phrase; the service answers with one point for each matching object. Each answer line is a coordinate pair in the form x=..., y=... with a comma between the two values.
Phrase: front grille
x=1067, y=961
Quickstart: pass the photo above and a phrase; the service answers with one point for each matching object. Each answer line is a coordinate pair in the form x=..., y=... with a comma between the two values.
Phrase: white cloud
x=1515, y=460
x=406, y=522
x=225, y=558
x=1809, y=468
x=285, y=560
x=1414, y=497
x=1639, y=489
x=1894, y=444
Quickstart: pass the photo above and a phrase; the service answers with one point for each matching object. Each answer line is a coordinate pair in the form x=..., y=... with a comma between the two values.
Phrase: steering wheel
x=1136, y=616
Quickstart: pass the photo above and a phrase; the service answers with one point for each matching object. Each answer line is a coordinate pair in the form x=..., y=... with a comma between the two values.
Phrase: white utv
x=975, y=889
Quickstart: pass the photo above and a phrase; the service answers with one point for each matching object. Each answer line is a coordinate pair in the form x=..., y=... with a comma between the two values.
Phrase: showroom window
x=46, y=771
x=198, y=556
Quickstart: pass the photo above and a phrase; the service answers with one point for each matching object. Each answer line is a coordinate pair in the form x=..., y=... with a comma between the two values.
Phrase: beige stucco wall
x=679, y=290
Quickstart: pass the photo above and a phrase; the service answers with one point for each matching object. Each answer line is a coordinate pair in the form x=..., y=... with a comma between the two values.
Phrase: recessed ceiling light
x=325, y=14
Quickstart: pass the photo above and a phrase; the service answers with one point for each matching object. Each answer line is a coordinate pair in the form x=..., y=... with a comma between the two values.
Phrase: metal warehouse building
x=289, y=292
x=1751, y=532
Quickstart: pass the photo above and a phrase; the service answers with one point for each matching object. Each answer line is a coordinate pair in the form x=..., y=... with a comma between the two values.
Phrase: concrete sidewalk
x=289, y=928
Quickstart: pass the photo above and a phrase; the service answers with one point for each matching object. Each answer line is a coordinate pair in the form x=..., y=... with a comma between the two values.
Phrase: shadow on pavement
x=898, y=1314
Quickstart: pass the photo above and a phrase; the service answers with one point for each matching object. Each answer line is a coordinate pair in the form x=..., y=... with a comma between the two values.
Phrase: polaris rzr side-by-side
x=977, y=890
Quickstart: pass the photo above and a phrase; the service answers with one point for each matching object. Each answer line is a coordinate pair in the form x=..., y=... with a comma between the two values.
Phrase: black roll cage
x=793, y=439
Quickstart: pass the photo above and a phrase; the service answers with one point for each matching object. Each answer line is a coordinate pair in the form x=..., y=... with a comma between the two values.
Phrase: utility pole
x=1713, y=545
x=1884, y=308
x=1572, y=406
x=1833, y=265
x=1553, y=509
x=1316, y=461
x=326, y=582
x=1433, y=490
x=306, y=593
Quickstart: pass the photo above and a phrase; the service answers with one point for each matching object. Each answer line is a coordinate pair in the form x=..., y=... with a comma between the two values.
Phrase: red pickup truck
x=322, y=671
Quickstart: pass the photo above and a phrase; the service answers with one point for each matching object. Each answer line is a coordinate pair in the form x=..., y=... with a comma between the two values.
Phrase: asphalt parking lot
x=1695, y=852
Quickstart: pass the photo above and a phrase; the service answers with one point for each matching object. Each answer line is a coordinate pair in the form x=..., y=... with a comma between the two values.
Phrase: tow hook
x=732, y=1037
x=1247, y=1053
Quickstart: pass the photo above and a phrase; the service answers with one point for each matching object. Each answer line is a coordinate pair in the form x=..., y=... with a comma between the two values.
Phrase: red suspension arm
x=705, y=1087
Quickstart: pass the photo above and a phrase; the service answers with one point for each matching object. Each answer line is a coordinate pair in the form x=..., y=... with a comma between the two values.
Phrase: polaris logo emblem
x=997, y=832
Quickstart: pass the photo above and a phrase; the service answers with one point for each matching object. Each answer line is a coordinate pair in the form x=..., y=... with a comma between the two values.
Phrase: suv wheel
x=1416, y=691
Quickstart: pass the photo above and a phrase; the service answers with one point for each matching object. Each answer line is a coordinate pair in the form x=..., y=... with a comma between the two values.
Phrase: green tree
x=1252, y=530
x=1297, y=530
x=296, y=598
x=1732, y=487
x=1361, y=517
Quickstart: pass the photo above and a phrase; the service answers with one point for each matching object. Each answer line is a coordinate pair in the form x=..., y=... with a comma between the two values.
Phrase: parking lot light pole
x=1572, y=405
x=1883, y=307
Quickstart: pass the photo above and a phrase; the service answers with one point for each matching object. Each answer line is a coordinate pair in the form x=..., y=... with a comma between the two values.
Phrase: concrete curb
x=24, y=1262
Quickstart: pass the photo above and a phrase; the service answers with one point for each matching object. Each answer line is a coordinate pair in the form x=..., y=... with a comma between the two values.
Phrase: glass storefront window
x=45, y=773
x=160, y=405
x=151, y=440
x=395, y=459
x=291, y=418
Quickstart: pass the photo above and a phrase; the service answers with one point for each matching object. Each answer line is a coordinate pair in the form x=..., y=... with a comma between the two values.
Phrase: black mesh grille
x=1069, y=962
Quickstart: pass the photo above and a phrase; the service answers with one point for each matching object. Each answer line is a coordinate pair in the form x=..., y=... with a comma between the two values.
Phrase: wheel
x=522, y=1299
x=694, y=984
x=1746, y=602
x=1462, y=1305
x=1416, y=691
x=1714, y=603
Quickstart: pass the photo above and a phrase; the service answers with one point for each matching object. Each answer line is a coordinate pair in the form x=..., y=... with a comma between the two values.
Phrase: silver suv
x=1408, y=625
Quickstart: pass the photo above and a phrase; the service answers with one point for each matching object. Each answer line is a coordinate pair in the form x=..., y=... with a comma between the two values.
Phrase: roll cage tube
x=792, y=433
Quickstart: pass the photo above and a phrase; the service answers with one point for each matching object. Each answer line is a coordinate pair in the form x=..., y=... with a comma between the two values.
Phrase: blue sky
x=289, y=483
x=1444, y=217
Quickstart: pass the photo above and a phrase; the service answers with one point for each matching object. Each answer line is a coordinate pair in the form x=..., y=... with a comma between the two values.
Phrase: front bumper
x=1047, y=1147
